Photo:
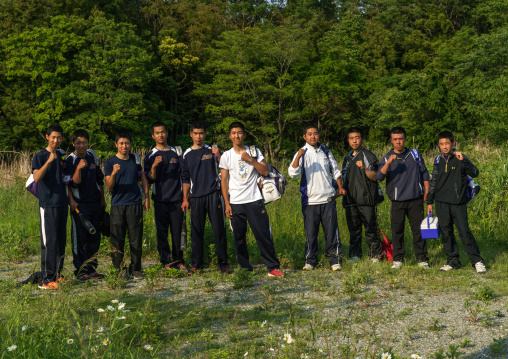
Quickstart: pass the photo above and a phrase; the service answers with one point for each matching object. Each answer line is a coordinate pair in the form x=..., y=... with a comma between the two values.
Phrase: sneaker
x=180, y=266
x=375, y=260
x=308, y=266
x=336, y=267
x=97, y=276
x=396, y=265
x=83, y=278
x=50, y=285
x=446, y=268
x=354, y=259
x=61, y=279
x=224, y=270
x=276, y=273
x=480, y=267
x=424, y=265
x=138, y=274
x=195, y=270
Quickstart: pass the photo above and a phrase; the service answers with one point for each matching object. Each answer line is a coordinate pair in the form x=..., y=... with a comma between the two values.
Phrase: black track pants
x=169, y=217
x=326, y=214
x=213, y=204
x=254, y=213
x=413, y=209
x=449, y=215
x=53, y=233
x=85, y=245
x=122, y=219
x=357, y=216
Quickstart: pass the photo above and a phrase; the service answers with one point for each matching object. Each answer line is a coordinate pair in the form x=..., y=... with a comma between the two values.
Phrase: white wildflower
x=111, y=308
x=100, y=310
x=148, y=347
x=12, y=348
x=70, y=341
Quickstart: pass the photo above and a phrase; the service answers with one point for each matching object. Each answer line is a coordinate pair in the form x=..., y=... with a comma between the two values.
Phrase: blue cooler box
x=430, y=227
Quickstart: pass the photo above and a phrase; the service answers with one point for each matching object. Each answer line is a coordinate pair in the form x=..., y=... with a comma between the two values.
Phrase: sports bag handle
x=428, y=219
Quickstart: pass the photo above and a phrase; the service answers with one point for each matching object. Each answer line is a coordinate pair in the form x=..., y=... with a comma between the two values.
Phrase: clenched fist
x=82, y=164
x=116, y=168
x=157, y=161
x=459, y=156
x=246, y=157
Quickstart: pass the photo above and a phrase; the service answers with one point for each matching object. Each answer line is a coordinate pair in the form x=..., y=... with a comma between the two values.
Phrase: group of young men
x=206, y=181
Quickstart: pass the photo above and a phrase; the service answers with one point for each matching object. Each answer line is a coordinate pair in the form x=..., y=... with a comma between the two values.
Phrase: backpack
x=472, y=188
x=273, y=186
x=32, y=186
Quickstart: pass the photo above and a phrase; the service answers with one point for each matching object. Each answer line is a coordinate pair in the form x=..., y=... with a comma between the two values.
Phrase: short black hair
x=122, y=134
x=80, y=133
x=310, y=125
x=445, y=134
x=236, y=124
x=397, y=130
x=54, y=128
x=198, y=125
x=354, y=130
x=158, y=124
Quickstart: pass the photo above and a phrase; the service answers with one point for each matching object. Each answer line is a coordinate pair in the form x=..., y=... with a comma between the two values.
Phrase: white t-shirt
x=243, y=187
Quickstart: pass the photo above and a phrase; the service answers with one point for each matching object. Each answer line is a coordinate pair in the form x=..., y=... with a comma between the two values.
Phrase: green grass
x=214, y=316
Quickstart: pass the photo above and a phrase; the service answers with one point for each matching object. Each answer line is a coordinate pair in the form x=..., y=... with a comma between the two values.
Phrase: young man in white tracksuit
x=319, y=173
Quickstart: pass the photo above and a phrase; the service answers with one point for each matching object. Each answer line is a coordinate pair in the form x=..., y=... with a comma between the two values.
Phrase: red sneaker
x=195, y=270
x=276, y=273
x=50, y=285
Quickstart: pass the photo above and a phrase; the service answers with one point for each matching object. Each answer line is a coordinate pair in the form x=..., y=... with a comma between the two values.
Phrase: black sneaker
x=97, y=276
x=83, y=278
x=138, y=274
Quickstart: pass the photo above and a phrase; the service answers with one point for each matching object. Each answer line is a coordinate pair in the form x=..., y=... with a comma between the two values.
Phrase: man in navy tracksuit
x=319, y=171
x=87, y=196
x=359, y=176
x=448, y=188
x=407, y=185
x=47, y=170
x=201, y=185
x=123, y=174
x=163, y=169
x=243, y=200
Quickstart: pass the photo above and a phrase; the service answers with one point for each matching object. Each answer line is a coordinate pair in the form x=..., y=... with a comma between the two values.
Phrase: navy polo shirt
x=88, y=190
x=51, y=187
x=167, y=186
x=126, y=190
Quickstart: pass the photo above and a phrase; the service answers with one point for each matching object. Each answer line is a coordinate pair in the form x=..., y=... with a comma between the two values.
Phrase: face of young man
x=160, y=135
x=80, y=146
x=446, y=146
x=54, y=140
x=312, y=137
x=398, y=141
x=236, y=135
x=123, y=145
x=355, y=140
x=198, y=136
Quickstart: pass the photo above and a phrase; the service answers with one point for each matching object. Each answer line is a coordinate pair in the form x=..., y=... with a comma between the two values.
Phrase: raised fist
x=301, y=152
x=82, y=164
x=360, y=164
x=52, y=157
x=116, y=168
x=215, y=150
x=246, y=157
x=459, y=155
x=392, y=159
x=157, y=160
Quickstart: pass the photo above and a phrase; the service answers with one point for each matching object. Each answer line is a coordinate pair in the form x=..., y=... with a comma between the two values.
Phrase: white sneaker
x=480, y=267
x=396, y=265
x=307, y=266
x=446, y=268
x=336, y=267
x=355, y=259
x=375, y=260
x=424, y=265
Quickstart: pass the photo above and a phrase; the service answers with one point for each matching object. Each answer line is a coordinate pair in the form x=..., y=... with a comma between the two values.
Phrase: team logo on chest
x=207, y=157
x=173, y=160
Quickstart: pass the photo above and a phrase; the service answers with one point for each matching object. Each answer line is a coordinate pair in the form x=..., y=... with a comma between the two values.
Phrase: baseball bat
x=183, y=236
x=86, y=223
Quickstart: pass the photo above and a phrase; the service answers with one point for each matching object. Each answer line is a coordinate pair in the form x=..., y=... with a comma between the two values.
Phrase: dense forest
x=274, y=65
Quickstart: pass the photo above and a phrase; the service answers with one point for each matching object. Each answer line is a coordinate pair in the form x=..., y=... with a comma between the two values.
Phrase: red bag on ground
x=387, y=249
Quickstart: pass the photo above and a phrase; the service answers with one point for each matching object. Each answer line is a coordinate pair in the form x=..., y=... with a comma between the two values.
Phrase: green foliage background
x=107, y=65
